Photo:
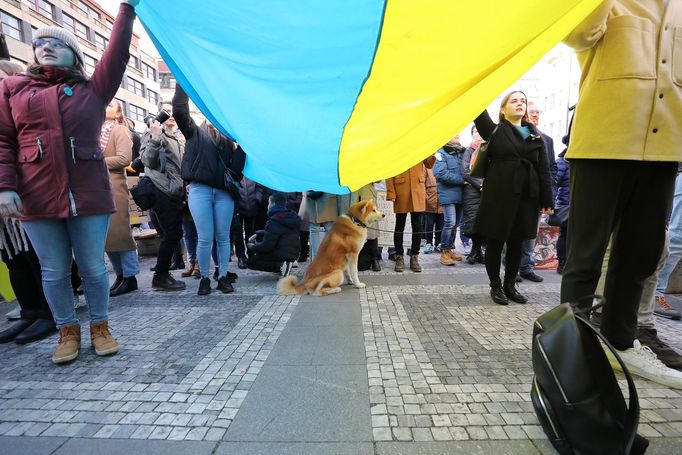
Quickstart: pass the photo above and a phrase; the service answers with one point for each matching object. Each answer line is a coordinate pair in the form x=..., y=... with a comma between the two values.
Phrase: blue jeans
x=316, y=238
x=125, y=263
x=56, y=242
x=191, y=238
x=675, y=238
x=212, y=210
x=452, y=214
x=527, y=262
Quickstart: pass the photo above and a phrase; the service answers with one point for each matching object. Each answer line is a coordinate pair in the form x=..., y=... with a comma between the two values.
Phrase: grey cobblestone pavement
x=443, y=369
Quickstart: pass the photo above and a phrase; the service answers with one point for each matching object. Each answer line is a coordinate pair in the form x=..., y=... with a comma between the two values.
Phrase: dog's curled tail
x=287, y=286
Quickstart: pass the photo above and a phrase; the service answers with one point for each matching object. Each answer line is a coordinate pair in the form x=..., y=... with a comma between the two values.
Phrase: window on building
x=30, y=3
x=136, y=87
x=88, y=10
x=152, y=96
x=136, y=112
x=149, y=71
x=101, y=41
x=46, y=9
x=90, y=64
x=134, y=61
x=11, y=26
x=74, y=26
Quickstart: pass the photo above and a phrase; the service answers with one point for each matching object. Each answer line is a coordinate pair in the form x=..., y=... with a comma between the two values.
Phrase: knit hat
x=63, y=35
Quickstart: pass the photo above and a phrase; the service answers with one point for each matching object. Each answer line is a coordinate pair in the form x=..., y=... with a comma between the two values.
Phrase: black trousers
x=304, y=236
x=264, y=263
x=629, y=199
x=493, y=259
x=417, y=225
x=168, y=222
x=25, y=278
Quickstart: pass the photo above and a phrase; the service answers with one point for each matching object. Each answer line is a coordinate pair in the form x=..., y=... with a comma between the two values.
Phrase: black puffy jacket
x=203, y=160
x=281, y=239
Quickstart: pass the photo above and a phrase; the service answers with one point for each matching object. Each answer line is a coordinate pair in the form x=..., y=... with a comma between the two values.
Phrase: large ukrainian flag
x=332, y=94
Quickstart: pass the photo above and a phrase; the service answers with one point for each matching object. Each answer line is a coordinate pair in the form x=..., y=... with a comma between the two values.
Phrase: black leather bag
x=575, y=393
x=144, y=193
x=232, y=185
x=559, y=217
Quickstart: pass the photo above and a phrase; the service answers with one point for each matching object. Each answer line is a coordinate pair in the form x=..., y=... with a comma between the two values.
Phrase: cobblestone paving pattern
x=185, y=366
x=445, y=363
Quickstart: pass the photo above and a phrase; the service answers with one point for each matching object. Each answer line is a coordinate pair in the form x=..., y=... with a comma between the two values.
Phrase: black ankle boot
x=497, y=294
x=204, y=286
x=511, y=292
x=374, y=250
x=40, y=329
x=473, y=257
x=128, y=284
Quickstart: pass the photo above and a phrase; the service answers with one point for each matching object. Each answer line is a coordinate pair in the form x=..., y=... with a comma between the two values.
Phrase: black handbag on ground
x=144, y=193
x=559, y=217
x=575, y=393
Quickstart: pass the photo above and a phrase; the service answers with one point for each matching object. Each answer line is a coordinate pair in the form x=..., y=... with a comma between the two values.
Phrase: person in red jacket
x=53, y=175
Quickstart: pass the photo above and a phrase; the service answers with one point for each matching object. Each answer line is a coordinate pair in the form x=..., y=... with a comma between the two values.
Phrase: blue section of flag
x=280, y=77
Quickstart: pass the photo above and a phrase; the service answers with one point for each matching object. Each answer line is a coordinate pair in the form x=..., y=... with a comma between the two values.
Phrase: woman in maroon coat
x=53, y=175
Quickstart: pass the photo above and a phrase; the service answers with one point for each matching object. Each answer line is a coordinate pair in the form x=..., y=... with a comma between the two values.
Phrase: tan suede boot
x=102, y=341
x=446, y=257
x=69, y=344
x=455, y=257
x=190, y=270
x=414, y=264
x=399, y=263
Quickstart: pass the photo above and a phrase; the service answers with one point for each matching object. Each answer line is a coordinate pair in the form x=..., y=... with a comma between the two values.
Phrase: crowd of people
x=65, y=150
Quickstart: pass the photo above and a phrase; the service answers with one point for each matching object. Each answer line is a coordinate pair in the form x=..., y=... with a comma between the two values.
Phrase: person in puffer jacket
x=278, y=246
x=448, y=172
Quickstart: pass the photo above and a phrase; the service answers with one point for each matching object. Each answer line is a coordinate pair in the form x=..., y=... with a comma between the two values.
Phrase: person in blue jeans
x=673, y=253
x=53, y=174
x=448, y=172
x=208, y=156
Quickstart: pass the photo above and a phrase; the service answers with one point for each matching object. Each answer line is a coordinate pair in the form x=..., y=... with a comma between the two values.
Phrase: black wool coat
x=517, y=181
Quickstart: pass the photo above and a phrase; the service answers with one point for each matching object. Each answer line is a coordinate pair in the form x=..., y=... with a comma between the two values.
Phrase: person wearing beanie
x=53, y=176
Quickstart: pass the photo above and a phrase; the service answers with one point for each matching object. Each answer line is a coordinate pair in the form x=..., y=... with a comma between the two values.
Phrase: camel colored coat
x=408, y=190
x=117, y=155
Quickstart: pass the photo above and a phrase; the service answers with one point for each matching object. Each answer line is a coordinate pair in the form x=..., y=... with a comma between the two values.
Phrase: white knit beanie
x=64, y=35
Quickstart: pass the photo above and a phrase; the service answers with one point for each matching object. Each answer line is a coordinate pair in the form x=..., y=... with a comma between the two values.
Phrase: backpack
x=575, y=393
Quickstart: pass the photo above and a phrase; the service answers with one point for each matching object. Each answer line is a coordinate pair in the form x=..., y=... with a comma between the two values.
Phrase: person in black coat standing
x=279, y=245
x=517, y=186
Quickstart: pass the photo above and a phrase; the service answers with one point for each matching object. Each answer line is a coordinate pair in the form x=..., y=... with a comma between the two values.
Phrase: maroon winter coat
x=49, y=142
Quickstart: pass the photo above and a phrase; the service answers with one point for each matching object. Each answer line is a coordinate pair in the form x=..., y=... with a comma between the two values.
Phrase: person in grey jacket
x=161, y=154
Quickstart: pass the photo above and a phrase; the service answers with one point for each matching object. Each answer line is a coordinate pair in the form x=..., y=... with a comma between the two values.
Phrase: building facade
x=140, y=91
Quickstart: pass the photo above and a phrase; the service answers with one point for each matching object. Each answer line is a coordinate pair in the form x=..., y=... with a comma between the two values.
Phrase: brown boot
x=190, y=269
x=69, y=344
x=102, y=340
x=414, y=263
x=399, y=263
x=446, y=257
x=455, y=257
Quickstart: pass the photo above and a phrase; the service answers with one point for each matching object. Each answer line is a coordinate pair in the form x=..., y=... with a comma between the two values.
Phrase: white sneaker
x=285, y=268
x=77, y=303
x=642, y=361
x=294, y=265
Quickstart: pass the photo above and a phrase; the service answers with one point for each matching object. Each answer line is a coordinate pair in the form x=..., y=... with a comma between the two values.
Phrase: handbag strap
x=632, y=415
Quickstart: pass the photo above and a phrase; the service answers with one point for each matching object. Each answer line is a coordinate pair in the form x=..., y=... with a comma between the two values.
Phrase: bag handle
x=632, y=415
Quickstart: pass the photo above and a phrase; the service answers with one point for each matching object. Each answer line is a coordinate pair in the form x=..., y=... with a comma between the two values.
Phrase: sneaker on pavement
x=532, y=276
x=428, y=249
x=649, y=337
x=642, y=361
x=14, y=314
x=663, y=309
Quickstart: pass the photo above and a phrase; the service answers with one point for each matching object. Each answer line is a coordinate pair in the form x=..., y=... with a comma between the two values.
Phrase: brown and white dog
x=338, y=252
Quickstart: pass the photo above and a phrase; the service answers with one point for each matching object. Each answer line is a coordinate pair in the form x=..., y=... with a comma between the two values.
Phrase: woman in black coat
x=517, y=186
